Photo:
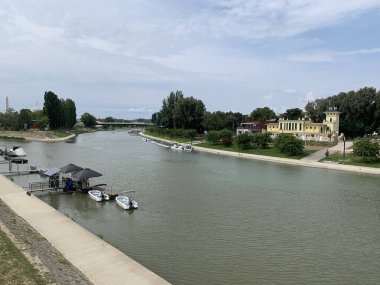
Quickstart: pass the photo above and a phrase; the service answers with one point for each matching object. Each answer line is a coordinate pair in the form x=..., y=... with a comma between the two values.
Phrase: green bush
x=261, y=140
x=244, y=140
x=289, y=144
x=213, y=137
x=366, y=149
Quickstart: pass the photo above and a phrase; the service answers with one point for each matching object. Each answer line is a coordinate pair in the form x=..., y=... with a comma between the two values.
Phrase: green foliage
x=174, y=133
x=180, y=112
x=289, y=144
x=366, y=149
x=293, y=114
x=244, y=140
x=360, y=111
x=9, y=121
x=88, y=120
x=213, y=137
x=25, y=119
x=42, y=122
x=261, y=140
x=226, y=134
x=61, y=113
x=263, y=114
x=217, y=121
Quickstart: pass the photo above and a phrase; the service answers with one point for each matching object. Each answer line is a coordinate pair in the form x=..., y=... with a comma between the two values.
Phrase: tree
x=25, y=118
x=261, y=140
x=360, y=111
x=70, y=114
x=293, y=114
x=244, y=140
x=262, y=114
x=366, y=149
x=289, y=145
x=220, y=120
x=188, y=113
x=88, y=120
x=52, y=109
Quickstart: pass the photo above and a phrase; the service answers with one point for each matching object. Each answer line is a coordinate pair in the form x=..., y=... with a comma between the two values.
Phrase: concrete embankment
x=96, y=259
x=295, y=162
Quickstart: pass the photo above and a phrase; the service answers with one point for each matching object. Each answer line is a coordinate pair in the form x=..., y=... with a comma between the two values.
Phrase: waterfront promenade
x=96, y=259
x=309, y=161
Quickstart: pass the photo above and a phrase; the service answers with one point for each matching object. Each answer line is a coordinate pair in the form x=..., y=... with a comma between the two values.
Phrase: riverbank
x=98, y=261
x=39, y=136
x=295, y=162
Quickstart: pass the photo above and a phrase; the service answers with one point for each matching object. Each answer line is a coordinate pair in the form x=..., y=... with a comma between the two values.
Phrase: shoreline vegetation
x=331, y=162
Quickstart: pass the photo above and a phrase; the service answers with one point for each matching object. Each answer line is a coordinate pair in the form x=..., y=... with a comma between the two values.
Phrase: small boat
x=125, y=201
x=185, y=148
x=15, y=151
x=98, y=195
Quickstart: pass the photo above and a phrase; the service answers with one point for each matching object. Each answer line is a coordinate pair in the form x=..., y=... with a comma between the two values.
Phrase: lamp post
x=344, y=148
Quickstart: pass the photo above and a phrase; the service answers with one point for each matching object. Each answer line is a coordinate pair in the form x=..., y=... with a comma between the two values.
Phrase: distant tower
x=332, y=120
x=6, y=104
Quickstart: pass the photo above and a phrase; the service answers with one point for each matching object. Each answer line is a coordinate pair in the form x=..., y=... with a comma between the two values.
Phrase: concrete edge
x=100, y=262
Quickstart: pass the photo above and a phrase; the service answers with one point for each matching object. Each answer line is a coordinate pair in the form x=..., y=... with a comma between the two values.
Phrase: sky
x=121, y=58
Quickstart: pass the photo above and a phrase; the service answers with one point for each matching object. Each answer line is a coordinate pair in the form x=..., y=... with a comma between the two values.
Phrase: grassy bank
x=350, y=159
x=271, y=151
x=12, y=138
x=166, y=137
x=15, y=268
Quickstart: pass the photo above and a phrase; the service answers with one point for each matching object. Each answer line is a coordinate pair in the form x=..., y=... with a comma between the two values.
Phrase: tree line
x=360, y=113
x=57, y=113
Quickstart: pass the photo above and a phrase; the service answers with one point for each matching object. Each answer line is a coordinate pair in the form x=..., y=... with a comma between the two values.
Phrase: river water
x=206, y=219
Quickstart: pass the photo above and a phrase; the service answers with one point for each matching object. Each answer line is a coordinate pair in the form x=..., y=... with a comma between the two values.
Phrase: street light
x=344, y=147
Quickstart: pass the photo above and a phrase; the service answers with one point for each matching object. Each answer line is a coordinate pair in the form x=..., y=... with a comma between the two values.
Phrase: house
x=253, y=127
x=308, y=130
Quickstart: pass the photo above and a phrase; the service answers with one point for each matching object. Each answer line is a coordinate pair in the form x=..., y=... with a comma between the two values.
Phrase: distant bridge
x=123, y=124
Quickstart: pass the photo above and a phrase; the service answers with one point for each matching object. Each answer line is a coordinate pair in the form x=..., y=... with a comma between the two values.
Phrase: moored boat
x=15, y=151
x=126, y=200
x=185, y=148
x=98, y=195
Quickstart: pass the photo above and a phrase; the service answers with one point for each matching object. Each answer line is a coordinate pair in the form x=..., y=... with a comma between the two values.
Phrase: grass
x=350, y=159
x=165, y=137
x=60, y=133
x=12, y=138
x=271, y=151
x=15, y=268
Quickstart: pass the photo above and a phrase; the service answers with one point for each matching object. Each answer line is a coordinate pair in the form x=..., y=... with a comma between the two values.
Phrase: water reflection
x=207, y=219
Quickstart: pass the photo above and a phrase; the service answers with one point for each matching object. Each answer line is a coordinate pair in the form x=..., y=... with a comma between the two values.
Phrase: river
x=207, y=219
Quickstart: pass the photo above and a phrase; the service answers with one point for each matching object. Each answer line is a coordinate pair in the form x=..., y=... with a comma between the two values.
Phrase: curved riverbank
x=39, y=136
x=302, y=163
x=96, y=259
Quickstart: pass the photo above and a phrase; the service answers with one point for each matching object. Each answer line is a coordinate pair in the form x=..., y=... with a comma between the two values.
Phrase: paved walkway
x=95, y=258
x=318, y=155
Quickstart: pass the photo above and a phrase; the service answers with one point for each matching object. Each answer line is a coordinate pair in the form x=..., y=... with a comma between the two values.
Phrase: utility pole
x=344, y=148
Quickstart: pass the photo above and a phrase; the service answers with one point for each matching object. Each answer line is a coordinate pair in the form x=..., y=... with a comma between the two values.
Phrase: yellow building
x=307, y=130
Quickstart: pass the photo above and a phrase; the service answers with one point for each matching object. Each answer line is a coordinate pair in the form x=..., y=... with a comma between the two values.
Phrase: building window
x=330, y=120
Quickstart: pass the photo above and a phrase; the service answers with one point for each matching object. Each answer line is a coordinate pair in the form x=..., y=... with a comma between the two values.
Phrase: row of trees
x=23, y=120
x=56, y=113
x=360, y=113
x=286, y=144
x=61, y=112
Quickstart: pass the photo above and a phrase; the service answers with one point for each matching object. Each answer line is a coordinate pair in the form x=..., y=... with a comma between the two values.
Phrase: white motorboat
x=98, y=195
x=126, y=202
x=185, y=148
x=15, y=151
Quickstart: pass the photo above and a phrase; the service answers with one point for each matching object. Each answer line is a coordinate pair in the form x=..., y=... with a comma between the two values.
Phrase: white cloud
x=268, y=97
x=327, y=56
